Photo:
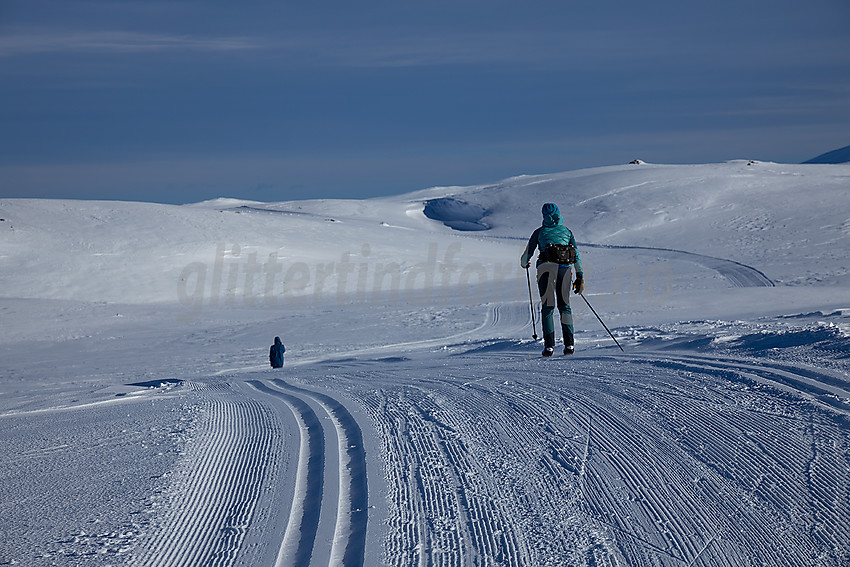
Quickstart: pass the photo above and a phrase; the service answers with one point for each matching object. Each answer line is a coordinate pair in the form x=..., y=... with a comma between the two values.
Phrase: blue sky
x=187, y=100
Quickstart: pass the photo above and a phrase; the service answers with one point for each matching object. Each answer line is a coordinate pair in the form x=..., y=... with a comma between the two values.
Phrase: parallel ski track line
x=423, y=483
x=750, y=452
x=629, y=458
x=296, y=549
x=818, y=386
x=819, y=462
x=571, y=458
x=750, y=443
x=686, y=464
x=349, y=543
x=442, y=487
x=740, y=275
x=213, y=499
x=408, y=542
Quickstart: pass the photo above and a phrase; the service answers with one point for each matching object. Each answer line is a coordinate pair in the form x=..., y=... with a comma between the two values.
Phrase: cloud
x=43, y=41
x=434, y=49
x=383, y=48
x=372, y=48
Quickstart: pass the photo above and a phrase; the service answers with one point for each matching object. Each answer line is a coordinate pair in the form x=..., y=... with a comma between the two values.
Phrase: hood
x=277, y=340
x=551, y=215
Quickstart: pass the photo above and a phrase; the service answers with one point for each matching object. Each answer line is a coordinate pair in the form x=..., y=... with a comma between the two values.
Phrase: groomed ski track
x=494, y=456
x=610, y=461
x=214, y=493
x=350, y=510
x=228, y=483
x=736, y=273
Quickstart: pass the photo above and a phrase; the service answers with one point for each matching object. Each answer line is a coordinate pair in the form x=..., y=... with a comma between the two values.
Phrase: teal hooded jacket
x=551, y=232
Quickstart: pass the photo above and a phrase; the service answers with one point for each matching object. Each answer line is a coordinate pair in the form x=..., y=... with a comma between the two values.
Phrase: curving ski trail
x=350, y=509
x=349, y=543
x=738, y=274
x=296, y=549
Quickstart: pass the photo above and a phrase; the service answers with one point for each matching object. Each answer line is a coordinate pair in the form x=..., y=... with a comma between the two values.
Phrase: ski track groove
x=819, y=471
x=213, y=500
x=688, y=462
x=349, y=543
x=761, y=450
x=737, y=273
x=296, y=548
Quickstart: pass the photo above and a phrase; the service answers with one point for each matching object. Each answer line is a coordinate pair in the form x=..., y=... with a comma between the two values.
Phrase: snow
x=414, y=421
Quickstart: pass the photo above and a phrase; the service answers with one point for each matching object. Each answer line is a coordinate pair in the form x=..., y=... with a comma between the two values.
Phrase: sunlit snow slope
x=414, y=422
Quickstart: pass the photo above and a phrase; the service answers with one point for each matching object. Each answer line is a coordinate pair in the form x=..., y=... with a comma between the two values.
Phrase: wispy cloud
x=435, y=49
x=353, y=48
x=382, y=48
x=42, y=41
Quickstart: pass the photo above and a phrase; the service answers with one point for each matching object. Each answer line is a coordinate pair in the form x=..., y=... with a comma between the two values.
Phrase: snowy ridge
x=757, y=214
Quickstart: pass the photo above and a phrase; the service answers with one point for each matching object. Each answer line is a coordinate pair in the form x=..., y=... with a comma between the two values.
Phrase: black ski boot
x=549, y=342
x=569, y=340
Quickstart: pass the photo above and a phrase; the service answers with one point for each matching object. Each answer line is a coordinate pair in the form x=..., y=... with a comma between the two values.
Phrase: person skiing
x=558, y=255
x=276, y=353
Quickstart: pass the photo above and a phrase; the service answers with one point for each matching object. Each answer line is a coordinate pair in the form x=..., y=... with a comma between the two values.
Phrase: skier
x=276, y=353
x=558, y=254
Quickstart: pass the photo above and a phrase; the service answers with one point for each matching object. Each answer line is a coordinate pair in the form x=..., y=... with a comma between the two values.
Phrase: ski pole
x=600, y=320
x=531, y=304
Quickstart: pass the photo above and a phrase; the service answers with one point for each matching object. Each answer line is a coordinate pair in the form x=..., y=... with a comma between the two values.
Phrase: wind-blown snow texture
x=414, y=422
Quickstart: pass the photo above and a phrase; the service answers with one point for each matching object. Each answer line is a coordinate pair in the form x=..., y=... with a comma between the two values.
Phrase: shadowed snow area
x=456, y=214
x=414, y=421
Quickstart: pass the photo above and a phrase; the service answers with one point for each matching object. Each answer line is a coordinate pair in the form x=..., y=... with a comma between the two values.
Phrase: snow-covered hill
x=788, y=221
x=414, y=422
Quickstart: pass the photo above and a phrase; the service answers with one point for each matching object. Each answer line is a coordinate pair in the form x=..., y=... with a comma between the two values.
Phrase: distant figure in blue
x=558, y=254
x=276, y=353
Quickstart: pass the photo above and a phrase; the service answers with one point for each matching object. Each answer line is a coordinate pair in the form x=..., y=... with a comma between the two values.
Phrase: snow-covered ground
x=415, y=422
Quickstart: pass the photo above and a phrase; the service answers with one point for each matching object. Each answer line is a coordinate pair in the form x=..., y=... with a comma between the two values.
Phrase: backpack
x=559, y=253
